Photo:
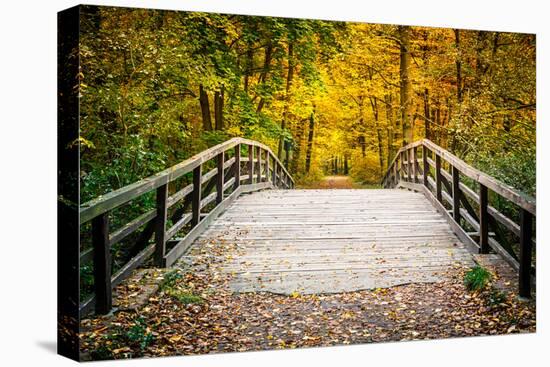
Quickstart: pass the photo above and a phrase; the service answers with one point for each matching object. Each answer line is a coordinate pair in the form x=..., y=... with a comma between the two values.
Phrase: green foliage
x=170, y=280
x=496, y=298
x=477, y=278
x=185, y=297
x=135, y=337
x=139, y=334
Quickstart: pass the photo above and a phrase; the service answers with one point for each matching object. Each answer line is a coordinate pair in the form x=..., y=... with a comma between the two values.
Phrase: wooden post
x=259, y=169
x=415, y=164
x=251, y=164
x=425, y=165
x=456, y=194
x=237, y=166
x=160, y=225
x=483, y=220
x=274, y=172
x=267, y=158
x=395, y=173
x=102, y=263
x=219, y=178
x=196, y=196
x=438, y=177
x=525, y=253
x=409, y=166
x=402, y=159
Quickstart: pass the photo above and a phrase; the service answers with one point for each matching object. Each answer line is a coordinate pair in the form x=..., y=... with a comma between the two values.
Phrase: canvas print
x=233, y=183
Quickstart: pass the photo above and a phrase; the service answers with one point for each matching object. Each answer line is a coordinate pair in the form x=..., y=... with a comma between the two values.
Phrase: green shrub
x=477, y=278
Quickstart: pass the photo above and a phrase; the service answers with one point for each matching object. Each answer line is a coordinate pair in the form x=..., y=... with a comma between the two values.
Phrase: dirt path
x=332, y=182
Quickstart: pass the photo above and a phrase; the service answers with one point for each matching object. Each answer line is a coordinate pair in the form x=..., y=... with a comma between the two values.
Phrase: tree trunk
x=390, y=123
x=458, y=67
x=375, y=113
x=405, y=85
x=265, y=71
x=310, y=141
x=427, y=132
x=346, y=165
x=218, y=108
x=205, y=109
x=289, y=77
x=248, y=66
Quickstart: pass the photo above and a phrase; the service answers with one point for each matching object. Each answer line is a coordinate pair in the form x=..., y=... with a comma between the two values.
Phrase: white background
x=28, y=181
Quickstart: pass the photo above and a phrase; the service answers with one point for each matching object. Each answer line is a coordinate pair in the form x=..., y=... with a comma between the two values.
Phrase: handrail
x=104, y=203
x=405, y=171
x=221, y=186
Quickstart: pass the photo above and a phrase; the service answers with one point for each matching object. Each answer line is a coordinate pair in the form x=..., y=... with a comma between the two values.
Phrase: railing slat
x=237, y=166
x=483, y=220
x=259, y=168
x=250, y=164
x=196, y=199
x=425, y=165
x=130, y=227
x=219, y=178
x=160, y=225
x=438, y=177
x=456, y=194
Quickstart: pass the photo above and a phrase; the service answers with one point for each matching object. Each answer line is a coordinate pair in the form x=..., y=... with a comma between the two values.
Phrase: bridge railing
x=188, y=210
x=462, y=193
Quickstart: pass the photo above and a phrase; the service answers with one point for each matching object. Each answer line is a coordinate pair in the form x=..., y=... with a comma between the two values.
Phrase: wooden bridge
x=434, y=212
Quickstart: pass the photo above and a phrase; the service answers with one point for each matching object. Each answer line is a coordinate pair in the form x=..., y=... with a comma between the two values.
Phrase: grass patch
x=170, y=280
x=185, y=297
x=496, y=298
x=477, y=278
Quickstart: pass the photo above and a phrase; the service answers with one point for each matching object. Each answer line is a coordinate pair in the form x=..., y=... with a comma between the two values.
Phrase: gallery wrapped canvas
x=232, y=183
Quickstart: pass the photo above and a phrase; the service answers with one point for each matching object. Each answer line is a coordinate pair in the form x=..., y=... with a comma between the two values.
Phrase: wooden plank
x=230, y=183
x=207, y=200
x=86, y=255
x=173, y=199
x=130, y=227
x=160, y=224
x=131, y=265
x=408, y=246
x=102, y=264
x=186, y=218
x=457, y=229
x=228, y=163
x=183, y=245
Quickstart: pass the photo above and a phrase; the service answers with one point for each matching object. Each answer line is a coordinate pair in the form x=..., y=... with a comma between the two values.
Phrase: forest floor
x=195, y=312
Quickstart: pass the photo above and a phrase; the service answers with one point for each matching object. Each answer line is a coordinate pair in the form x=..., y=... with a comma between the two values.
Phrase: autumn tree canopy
x=158, y=86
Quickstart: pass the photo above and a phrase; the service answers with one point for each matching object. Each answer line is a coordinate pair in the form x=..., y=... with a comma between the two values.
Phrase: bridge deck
x=327, y=241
